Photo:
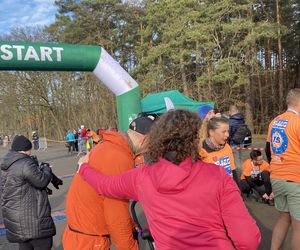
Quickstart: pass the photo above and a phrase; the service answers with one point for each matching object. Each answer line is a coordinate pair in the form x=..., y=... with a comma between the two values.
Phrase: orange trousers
x=76, y=241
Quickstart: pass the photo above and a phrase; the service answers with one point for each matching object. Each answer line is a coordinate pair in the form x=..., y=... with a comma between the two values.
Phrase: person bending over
x=255, y=174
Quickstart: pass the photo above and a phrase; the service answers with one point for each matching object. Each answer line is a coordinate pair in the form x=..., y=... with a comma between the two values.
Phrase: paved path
x=64, y=164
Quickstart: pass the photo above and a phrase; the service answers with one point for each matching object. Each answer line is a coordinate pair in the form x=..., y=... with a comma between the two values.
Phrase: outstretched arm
x=121, y=187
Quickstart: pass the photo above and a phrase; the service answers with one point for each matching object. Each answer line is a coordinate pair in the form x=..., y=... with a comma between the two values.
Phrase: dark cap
x=141, y=125
x=21, y=143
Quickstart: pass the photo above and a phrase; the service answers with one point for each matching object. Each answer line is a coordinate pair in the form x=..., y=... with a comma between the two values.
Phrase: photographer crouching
x=25, y=206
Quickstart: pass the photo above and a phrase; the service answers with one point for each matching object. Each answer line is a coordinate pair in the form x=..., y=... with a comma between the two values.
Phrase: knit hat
x=21, y=143
x=202, y=111
x=141, y=125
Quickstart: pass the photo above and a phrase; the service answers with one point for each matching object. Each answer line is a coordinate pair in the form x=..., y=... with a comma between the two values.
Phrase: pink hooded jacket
x=190, y=206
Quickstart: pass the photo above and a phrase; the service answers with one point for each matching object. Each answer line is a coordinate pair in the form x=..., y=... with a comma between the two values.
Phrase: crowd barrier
x=82, y=145
x=240, y=148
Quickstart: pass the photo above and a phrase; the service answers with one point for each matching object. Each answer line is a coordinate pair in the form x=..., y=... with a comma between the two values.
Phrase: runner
x=94, y=221
x=284, y=145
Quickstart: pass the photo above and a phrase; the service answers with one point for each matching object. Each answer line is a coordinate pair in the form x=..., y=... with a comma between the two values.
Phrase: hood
x=170, y=178
x=10, y=158
x=119, y=139
x=238, y=116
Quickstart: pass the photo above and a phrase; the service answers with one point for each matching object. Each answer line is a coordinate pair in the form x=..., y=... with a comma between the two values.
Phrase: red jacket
x=190, y=206
x=83, y=132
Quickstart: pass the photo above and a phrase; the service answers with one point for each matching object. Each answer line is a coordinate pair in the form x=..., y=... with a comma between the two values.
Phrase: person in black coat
x=236, y=119
x=76, y=139
x=25, y=206
x=35, y=139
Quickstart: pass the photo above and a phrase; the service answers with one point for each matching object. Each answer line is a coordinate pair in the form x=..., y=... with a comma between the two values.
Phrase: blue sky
x=20, y=13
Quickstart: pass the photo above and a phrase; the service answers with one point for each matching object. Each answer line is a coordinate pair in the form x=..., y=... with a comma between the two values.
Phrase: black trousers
x=37, y=244
x=76, y=145
x=71, y=145
x=256, y=183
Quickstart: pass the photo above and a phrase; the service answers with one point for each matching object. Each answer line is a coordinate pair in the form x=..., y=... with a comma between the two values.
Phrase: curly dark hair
x=174, y=136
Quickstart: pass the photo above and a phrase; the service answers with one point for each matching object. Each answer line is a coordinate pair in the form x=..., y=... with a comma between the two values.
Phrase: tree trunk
x=142, y=39
x=248, y=107
x=298, y=80
x=280, y=63
x=269, y=84
x=262, y=108
x=196, y=71
x=183, y=75
x=250, y=53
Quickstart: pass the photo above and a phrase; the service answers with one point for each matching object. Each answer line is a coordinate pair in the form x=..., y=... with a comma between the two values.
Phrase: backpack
x=242, y=135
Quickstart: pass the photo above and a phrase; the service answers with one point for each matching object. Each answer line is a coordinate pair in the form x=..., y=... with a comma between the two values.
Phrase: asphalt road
x=64, y=164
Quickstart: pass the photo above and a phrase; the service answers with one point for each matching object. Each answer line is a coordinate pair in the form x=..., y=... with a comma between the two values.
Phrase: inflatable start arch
x=67, y=57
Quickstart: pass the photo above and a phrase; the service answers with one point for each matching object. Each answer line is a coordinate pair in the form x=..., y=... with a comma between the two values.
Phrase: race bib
x=255, y=172
x=225, y=163
x=279, y=140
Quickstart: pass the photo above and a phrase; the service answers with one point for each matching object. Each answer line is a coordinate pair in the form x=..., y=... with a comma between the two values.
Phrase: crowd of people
x=179, y=167
x=83, y=139
x=5, y=140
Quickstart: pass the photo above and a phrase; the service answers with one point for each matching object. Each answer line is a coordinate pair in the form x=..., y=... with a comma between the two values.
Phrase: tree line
x=229, y=51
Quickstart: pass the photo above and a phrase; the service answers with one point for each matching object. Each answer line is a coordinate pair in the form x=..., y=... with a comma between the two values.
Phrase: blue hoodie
x=70, y=137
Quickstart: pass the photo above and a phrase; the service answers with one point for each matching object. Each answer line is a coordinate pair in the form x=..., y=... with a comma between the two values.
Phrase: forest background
x=227, y=51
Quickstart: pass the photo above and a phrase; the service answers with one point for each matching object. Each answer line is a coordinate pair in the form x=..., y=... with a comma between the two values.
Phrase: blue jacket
x=70, y=137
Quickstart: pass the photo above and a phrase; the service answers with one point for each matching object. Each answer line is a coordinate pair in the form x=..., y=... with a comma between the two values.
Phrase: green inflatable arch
x=67, y=57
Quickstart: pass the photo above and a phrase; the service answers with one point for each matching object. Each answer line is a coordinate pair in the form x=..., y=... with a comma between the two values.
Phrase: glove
x=45, y=167
x=34, y=158
x=56, y=181
x=49, y=191
x=135, y=234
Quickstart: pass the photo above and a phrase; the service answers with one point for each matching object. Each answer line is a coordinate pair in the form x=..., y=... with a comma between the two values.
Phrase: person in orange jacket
x=91, y=134
x=215, y=148
x=93, y=221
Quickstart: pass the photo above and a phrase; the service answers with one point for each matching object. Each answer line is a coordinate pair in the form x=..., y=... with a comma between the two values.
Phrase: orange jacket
x=248, y=168
x=284, y=138
x=91, y=213
x=94, y=136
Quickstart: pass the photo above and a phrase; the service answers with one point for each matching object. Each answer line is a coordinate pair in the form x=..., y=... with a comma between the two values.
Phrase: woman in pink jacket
x=188, y=204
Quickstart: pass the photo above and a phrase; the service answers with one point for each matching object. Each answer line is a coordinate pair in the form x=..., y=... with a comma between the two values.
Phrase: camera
x=56, y=182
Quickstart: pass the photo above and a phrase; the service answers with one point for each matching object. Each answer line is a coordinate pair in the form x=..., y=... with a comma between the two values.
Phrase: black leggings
x=255, y=183
x=37, y=244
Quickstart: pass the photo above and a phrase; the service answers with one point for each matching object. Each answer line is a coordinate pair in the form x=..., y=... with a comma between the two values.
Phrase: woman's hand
x=83, y=159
